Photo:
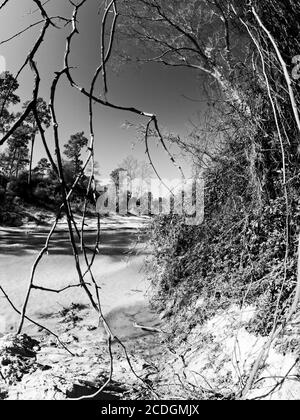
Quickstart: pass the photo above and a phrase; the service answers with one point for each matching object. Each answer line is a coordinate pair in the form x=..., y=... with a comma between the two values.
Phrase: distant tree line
x=19, y=178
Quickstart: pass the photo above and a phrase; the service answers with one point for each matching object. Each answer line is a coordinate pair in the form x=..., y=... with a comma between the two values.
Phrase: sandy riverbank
x=118, y=270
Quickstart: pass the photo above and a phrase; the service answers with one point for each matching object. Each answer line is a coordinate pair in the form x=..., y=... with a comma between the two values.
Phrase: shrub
x=239, y=259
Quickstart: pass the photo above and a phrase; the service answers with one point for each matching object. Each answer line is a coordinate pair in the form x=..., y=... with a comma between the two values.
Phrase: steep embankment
x=217, y=357
x=219, y=299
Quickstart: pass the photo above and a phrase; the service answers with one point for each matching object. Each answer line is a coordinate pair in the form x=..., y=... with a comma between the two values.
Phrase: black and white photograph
x=149, y=203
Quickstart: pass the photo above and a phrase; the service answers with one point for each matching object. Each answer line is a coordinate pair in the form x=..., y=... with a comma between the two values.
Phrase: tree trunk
x=31, y=154
x=12, y=164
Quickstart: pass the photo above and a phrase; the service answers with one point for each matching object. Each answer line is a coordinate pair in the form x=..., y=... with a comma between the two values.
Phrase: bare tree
x=205, y=35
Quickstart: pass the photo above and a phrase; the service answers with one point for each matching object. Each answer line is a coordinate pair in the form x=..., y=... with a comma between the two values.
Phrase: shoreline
x=124, y=303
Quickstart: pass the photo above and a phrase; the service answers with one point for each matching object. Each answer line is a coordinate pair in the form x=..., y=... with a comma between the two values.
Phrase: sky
x=152, y=88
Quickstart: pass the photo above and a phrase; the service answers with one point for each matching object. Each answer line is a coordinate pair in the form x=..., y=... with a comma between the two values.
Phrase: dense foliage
x=20, y=183
x=245, y=252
